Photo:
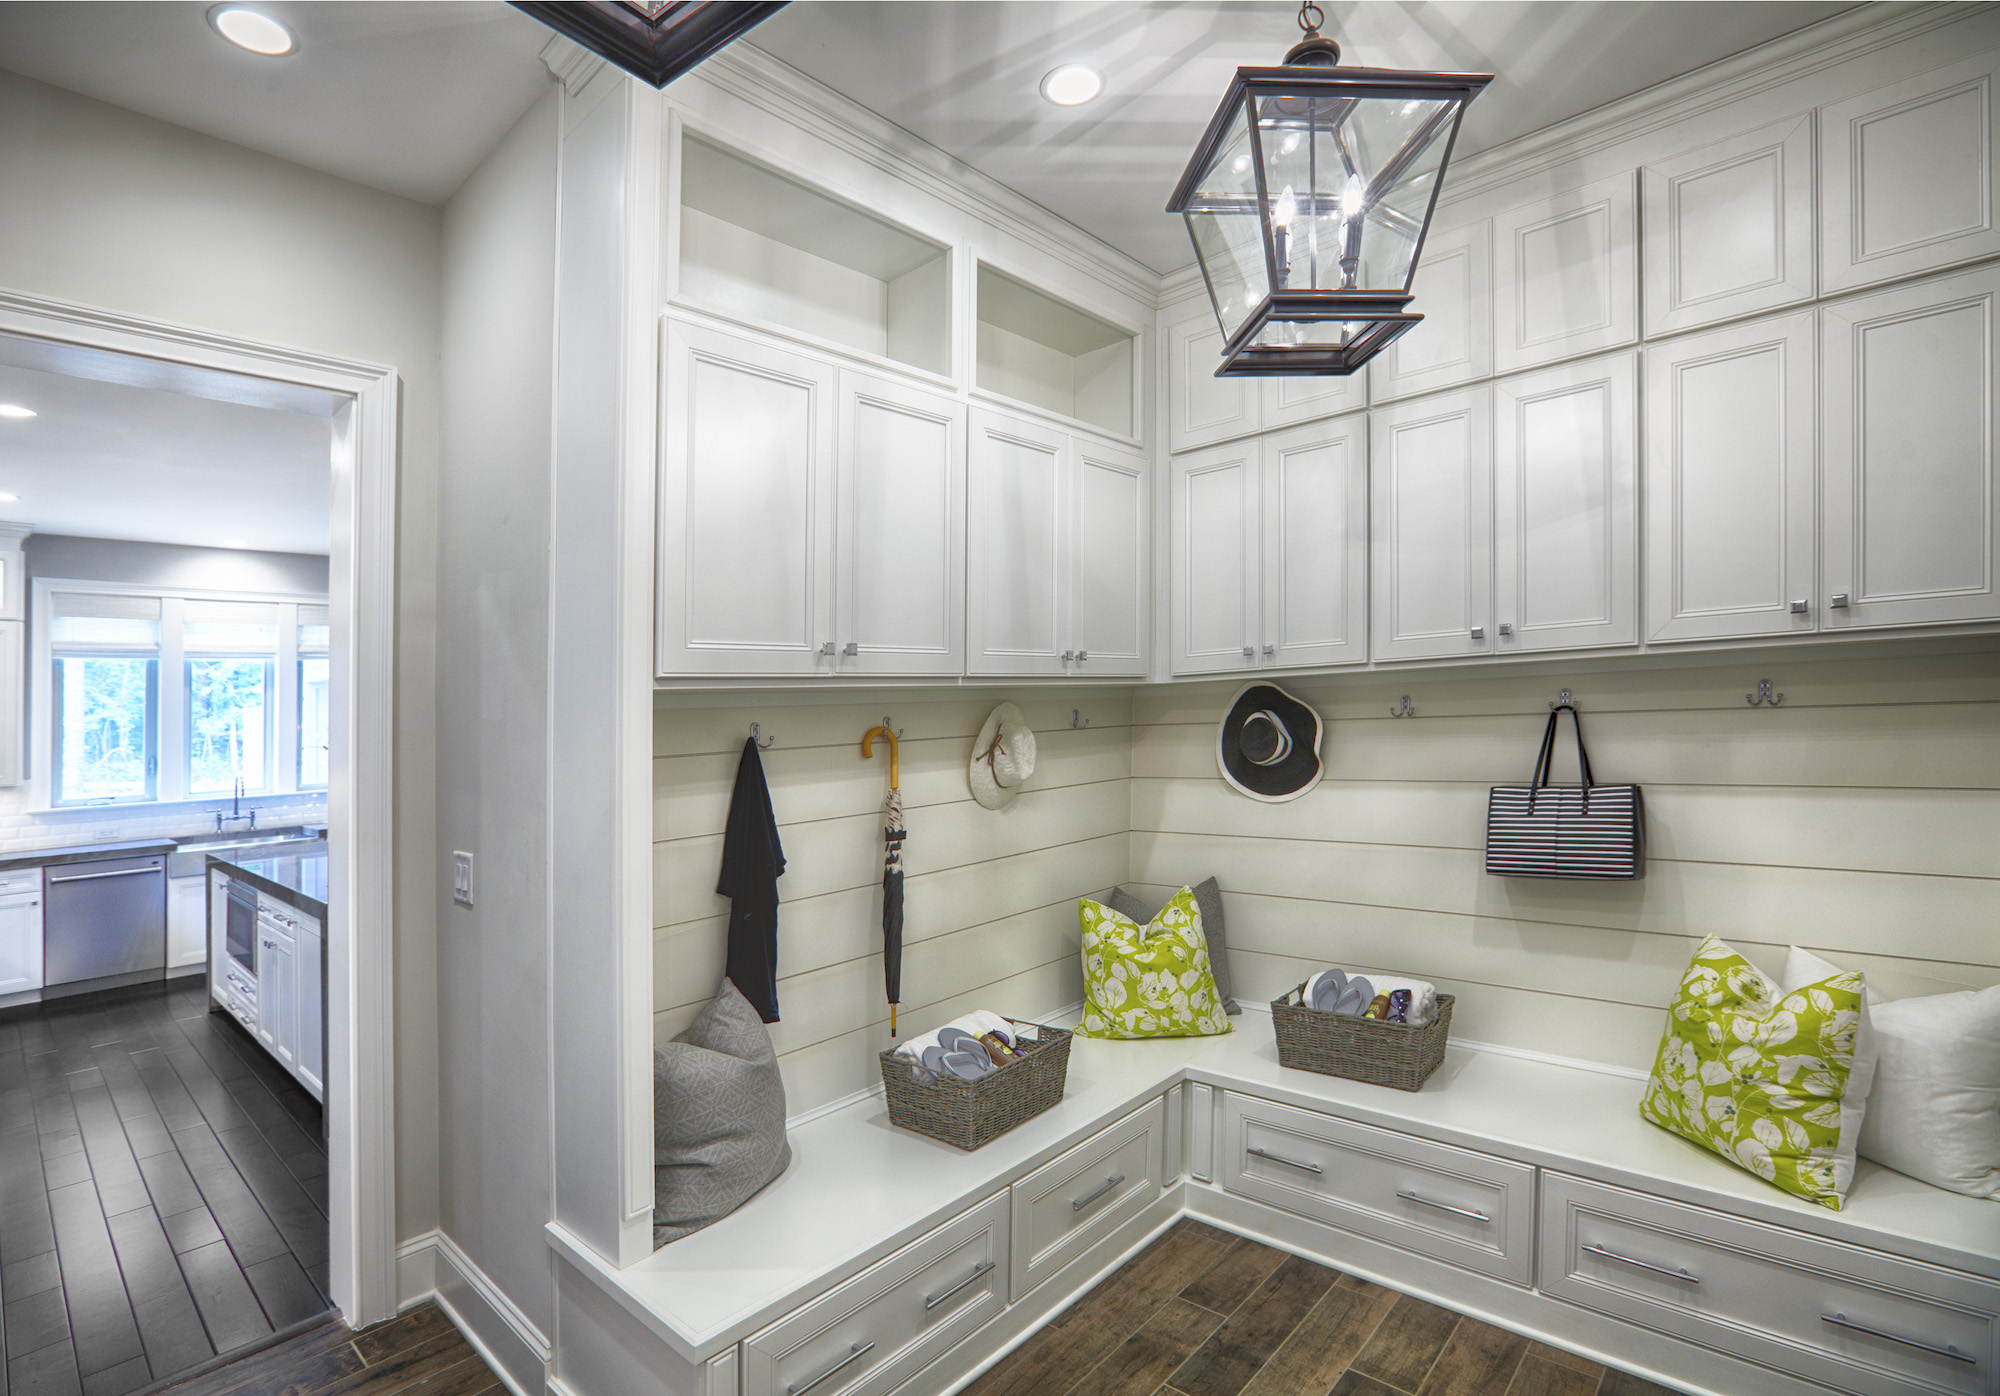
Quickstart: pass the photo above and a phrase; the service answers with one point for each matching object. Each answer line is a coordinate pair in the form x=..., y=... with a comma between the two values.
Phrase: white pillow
x=1934, y=1112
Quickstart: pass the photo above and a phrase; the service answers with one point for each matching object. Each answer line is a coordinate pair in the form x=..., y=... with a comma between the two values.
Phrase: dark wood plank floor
x=162, y=1192
x=1203, y=1313
x=418, y=1353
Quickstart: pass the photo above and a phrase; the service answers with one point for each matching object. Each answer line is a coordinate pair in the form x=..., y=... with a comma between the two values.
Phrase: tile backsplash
x=26, y=830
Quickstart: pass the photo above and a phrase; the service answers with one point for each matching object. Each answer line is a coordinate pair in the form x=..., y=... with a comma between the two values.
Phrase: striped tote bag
x=1589, y=831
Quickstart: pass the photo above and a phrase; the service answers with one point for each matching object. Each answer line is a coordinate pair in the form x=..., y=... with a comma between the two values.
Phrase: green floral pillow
x=1774, y=1083
x=1148, y=981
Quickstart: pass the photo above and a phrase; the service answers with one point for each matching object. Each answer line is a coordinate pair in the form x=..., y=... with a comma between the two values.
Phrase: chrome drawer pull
x=1444, y=1207
x=859, y=1351
x=1656, y=1269
x=1840, y=1321
x=1083, y=1202
x=1288, y=1162
x=930, y=1303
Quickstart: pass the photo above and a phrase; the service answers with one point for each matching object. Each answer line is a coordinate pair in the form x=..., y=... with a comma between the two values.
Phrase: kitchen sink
x=190, y=856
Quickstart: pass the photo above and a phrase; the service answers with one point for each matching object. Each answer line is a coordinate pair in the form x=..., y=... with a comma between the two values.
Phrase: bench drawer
x=1069, y=1204
x=889, y=1322
x=1855, y=1319
x=1470, y=1209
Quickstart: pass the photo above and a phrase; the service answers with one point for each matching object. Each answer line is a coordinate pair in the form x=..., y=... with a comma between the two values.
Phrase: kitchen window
x=147, y=696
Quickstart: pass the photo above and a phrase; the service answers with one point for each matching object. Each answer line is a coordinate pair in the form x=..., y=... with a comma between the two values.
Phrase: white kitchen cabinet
x=1910, y=512
x=1453, y=291
x=1566, y=276
x=1565, y=507
x=20, y=931
x=1729, y=228
x=1907, y=176
x=1056, y=546
x=13, y=707
x=277, y=991
x=1214, y=558
x=187, y=922
x=1730, y=467
x=309, y=1063
x=1430, y=464
x=1290, y=401
x=1201, y=408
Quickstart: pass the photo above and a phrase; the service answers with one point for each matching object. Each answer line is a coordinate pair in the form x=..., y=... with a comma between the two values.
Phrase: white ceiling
x=111, y=460
x=965, y=76
x=406, y=97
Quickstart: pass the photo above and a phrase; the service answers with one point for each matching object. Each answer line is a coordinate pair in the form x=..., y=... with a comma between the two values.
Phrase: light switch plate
x=461, y=878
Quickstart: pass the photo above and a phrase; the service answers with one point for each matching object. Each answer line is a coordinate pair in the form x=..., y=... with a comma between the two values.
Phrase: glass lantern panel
x=1222, y=218
x=1310, y=334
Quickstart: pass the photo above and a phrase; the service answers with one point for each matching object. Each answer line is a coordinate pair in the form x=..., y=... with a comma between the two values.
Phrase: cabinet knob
x=1082, y=655
x=1270, y=650
x=826, y=650
x=1506, y=627
x=1838, y=601
x=1478, y=632
x=1249, y=652
x=1800, y=608
x=852, y=648
x=1068, y=655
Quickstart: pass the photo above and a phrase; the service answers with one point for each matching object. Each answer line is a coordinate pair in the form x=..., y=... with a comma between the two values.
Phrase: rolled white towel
x=978, y=1023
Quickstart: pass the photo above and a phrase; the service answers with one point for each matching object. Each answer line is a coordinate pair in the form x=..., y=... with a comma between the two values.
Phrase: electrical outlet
x=461, y=878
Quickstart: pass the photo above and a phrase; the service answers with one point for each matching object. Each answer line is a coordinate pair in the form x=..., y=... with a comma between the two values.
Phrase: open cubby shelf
x=1042, y=351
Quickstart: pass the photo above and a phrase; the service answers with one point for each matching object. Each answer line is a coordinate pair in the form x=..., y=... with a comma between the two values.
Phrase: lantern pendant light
x=1307, y=200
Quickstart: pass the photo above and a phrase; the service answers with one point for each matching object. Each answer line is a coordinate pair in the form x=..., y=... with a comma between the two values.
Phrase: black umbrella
x=893, y=834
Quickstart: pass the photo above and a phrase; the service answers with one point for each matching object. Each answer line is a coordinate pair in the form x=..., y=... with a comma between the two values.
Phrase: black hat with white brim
x=1268, y=747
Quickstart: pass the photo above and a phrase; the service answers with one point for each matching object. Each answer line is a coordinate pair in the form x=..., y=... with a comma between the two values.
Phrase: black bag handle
x=1545, y=761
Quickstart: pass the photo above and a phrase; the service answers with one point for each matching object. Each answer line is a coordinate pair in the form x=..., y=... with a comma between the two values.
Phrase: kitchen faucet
x=235, y=814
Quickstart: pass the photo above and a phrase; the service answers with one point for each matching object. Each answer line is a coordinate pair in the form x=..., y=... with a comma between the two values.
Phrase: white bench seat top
x=859, y=1188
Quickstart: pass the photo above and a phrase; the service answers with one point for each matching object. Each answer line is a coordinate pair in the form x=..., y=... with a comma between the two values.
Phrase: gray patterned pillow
x=718, y=1117
x=1208, y=897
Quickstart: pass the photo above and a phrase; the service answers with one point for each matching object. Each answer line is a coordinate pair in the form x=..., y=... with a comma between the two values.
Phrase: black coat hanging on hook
x=752, y=862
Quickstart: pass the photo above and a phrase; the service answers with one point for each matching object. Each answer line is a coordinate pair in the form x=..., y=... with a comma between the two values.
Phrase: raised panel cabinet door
x=1566, y=506
x=13, y=585
x=1566, y=276
x=1907, y=174
x=746, y=507
x=1212, y=559
x=1430, y=537
x=187, y=921
x=1729, y=228
x=20, y=943
x=1110, y=571
x=13, y=688
x=1201, y=408
x=1316, y=544
x=1290, y=401
x=277, y=990
x=1016, y=476
x=1909, y=509
x=899, y=601
x=1453, y=291
x=1730, y=468
x=311, y=970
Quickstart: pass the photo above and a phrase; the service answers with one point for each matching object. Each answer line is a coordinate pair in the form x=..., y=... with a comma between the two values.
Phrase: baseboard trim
x=433, y=1267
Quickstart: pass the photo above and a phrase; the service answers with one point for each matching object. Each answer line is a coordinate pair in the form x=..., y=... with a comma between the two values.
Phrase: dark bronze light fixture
x=656, y=40
x=1307, y=200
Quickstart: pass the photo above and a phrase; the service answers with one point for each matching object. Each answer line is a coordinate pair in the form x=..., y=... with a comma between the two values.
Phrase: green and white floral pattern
x=1758, y=1077
x=1148, y=981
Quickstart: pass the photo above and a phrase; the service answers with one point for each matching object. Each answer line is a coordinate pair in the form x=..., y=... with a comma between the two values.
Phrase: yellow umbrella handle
x=895, y=763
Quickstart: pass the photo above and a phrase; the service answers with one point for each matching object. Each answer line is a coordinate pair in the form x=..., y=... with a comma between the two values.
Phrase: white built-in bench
x=1526, y=1193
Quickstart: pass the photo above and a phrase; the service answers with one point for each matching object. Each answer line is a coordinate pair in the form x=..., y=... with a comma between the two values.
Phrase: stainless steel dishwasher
x=102, y=917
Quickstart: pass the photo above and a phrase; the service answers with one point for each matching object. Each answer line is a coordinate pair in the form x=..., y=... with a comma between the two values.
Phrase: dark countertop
x=49, y=857
x=298, y=879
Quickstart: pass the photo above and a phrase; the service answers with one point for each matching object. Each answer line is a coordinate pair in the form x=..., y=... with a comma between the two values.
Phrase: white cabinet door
x=1907, y=176
x=277, y=993
x=1017, y=472
x=1730, y=465
x=1290, y=401
x=13, y=690
x=746, y=518
x=1729, y=229
x=310, y=1066
x=13, y=583
x=900, y=530
x=1430, y=465
x=187, y=921
x=1213, y=559
x=1110, y=575
x=1454, y=294
x=1566, y=276
x=20, y=942
x=1910, y=509
x=1201, y=408
x=1565, y=506
x=1316, y=544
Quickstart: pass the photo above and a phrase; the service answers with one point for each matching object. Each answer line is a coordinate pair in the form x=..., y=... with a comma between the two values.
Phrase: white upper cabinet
x=1729, y=229
x=1315, y=544
x=746, y=518
x=1110, y=575
x=899, y=539
x=1565, y=506
x=1566, y=276
x=1453, y=291
x=1201, y=408
x=1907, y=176
x=1910, y=509
x=1214, y=558
x=1729, y=482
x=1290, y=401
x=1430, y=466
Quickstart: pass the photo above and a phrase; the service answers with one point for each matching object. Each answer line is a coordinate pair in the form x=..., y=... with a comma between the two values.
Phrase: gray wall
x=168, y=564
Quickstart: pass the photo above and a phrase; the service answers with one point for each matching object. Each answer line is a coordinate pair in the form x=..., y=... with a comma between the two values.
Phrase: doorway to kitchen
x=195, y=603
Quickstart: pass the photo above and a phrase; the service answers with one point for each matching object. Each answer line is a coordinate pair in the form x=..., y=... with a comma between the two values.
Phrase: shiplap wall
x=1860, y=819
x=990, y=895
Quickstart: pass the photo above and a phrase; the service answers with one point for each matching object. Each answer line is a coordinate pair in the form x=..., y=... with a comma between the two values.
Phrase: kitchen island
x=267, y=953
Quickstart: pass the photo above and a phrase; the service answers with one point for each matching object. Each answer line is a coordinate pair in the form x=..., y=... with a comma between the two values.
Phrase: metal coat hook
x=1763, y=695
x=757, y=735
x=1404, y=709
x=1562, y=701
x=1077, y=719
x=890, y=726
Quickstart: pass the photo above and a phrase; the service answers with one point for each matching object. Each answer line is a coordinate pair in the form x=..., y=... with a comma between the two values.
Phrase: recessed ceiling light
x=234, y=543
x=249, y=29
x=1072, y=85
x=15, y=410
x=6, y=498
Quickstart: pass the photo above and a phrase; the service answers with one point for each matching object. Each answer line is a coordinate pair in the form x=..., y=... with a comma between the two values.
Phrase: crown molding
x=572, y=64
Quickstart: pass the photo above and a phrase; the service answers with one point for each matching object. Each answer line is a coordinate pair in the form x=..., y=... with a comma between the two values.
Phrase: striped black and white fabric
x=1586, y=831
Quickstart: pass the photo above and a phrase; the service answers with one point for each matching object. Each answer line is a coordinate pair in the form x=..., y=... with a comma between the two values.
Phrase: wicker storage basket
x=969, y=1114
x=1361, y=1049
